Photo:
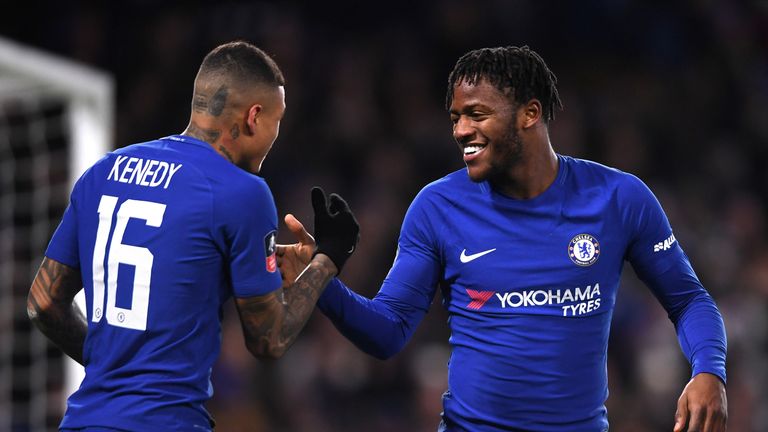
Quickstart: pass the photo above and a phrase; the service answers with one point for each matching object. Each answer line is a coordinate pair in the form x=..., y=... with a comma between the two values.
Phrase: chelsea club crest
x=584, y=250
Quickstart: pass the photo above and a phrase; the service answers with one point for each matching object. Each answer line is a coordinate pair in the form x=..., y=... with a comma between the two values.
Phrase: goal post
x=88, y=92
x=56, y=119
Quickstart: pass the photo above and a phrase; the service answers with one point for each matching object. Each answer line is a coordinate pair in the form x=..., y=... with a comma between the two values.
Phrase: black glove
x=336, y=229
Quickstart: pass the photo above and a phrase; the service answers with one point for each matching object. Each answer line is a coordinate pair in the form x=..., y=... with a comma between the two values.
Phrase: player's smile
x=481, y=115
x=472, y=151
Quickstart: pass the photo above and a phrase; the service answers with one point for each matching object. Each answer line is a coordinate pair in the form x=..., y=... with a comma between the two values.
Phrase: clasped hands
x=336, y=235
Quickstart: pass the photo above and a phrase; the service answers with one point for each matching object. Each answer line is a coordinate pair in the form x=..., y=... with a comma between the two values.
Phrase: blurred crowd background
x=674, y=92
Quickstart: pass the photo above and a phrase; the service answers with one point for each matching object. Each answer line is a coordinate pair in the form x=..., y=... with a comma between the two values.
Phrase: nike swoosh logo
x=467, y=258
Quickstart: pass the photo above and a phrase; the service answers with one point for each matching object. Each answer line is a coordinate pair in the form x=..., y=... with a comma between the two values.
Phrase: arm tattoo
x=301, y=298
x=50, y=305
x=272, y=322
x=208, y=135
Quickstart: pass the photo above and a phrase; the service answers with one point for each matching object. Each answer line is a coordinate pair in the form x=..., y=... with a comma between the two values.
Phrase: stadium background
x=674, y=93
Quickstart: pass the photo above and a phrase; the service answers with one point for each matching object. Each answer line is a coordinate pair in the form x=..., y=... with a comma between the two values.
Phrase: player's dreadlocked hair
x=519, y=72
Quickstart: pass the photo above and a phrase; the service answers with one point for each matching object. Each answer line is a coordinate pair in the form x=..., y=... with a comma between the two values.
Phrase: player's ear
x=530, y=113
x=252, y=119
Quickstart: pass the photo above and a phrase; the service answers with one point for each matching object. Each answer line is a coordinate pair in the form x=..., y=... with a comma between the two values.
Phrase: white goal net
x=55, y=121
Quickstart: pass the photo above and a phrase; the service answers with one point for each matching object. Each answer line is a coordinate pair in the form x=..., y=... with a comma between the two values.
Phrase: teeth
x=472, y=149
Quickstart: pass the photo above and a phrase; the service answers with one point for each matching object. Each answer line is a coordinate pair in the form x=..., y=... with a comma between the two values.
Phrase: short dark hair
x=242, y=61
x=518, y=69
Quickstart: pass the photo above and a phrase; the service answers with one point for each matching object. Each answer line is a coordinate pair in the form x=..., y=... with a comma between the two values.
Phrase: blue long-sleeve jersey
x=163, y=234
x=530, y=287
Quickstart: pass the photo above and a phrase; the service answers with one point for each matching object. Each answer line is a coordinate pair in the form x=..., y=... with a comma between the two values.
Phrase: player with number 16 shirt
x=160, y=234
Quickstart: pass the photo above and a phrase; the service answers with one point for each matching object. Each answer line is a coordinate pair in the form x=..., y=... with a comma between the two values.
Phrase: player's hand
x=336, y=229
x=293, y=258
x=703, y=406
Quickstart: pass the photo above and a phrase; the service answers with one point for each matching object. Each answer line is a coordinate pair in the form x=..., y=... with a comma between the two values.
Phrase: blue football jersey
x=530, y=287
x=163, y=233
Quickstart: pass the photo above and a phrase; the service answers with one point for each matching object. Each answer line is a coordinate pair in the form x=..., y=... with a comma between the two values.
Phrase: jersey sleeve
x=652, y=245
x=381, y=326
x=64, y=246
x=246, y=220
x=414, y=275
x=698, y=322
x=660, y=262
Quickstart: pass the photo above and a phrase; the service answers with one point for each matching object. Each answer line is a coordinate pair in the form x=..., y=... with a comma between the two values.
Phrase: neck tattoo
x=226, y=153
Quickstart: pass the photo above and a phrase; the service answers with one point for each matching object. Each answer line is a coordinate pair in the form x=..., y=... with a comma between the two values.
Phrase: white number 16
x=140, y=257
